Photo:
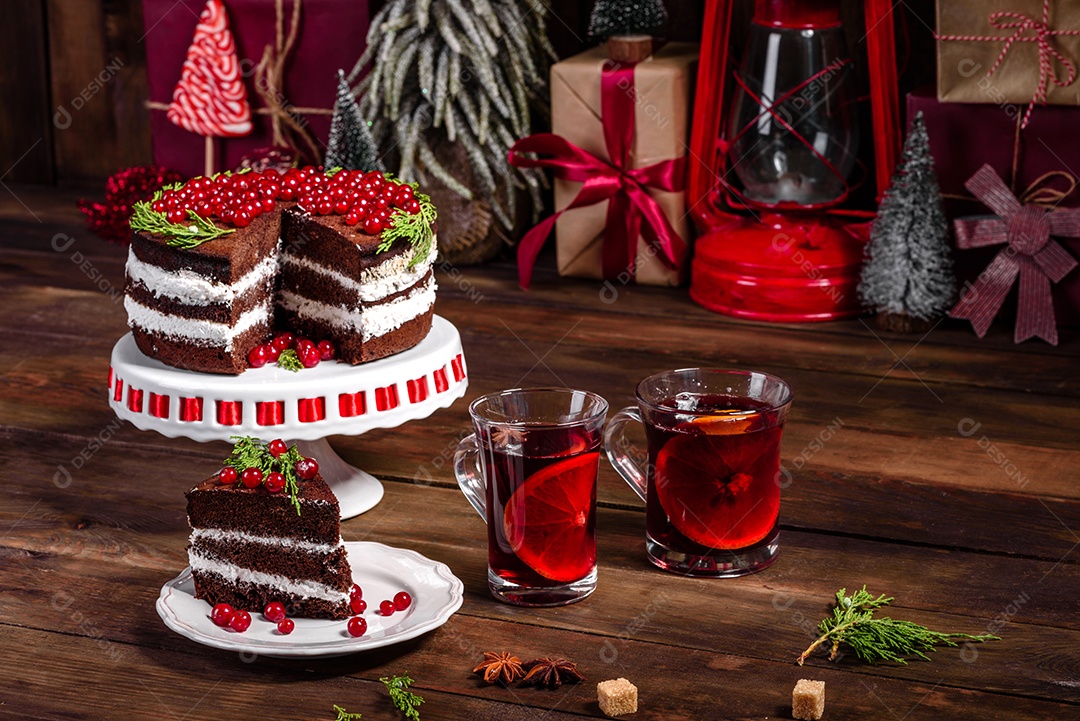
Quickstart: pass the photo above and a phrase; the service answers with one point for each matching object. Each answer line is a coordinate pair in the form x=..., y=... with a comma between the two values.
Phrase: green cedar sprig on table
x=249, y=452
x=180, y=235
x=289, y=360
x=405, y=700
x=343, y=715
x=879, y=639
x=413, y=227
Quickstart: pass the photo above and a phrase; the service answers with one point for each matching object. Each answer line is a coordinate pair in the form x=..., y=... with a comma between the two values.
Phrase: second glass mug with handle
x=529, y=470
x=712, y=484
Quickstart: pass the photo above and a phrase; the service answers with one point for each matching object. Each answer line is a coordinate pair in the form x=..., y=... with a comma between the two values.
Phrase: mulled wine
x=530, y=471
x=541, y=503
x=713, y=476
x=712, y=482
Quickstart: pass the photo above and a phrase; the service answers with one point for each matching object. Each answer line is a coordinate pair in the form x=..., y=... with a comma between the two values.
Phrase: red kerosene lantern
x=772, y=159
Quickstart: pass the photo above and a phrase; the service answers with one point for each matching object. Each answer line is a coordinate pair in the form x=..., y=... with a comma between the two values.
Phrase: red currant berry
x=176, y=216
x=283, y=340
x=412, y=207
x=285, y=626
x=357, y=604
x=275, y=482
x=307, y=468
x=325, y=207
x=402, y=600
x=303, y=345
x=387, y=608
x=352, y=219
x=326, y=350
x=267, y=205
x=309, y=357
x=277, y=447
x=373, y=225
x=272, y=353
x=257, y=356
x=221, y=614
x=228, y=475
x=381, y=203
x=274, y=611
x=356, y=592
x=240, y=621
x=403, y=195
x=341, y=207
x=241, y=218
x=251, y=477
x=357, y=626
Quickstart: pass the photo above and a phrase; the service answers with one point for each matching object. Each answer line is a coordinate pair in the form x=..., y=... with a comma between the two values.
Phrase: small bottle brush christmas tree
x=907, y=275
x=351, y=145
x=627, y=17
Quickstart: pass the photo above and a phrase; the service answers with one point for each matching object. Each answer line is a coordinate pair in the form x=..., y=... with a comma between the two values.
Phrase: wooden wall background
x=62, y=123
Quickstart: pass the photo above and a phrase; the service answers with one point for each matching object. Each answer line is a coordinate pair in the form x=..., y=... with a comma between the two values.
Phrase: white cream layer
x=377, y=282
x=223, y=536
x=238, y=574
x=370, y=322
x=191, y=288
x=203, y=331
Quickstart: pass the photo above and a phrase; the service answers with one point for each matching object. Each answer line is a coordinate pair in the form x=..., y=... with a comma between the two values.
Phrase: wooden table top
x=939, y=470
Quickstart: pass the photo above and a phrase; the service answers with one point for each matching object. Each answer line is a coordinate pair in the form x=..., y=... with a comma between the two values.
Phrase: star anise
x=500, y=668
x=503, y=436
x=550, y=672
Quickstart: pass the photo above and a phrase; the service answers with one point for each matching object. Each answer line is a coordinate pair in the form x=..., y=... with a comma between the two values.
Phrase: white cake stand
x=302, y=407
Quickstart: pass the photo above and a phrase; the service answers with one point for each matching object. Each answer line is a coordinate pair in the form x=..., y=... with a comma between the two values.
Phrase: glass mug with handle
x=712, y=483
x=529, y=469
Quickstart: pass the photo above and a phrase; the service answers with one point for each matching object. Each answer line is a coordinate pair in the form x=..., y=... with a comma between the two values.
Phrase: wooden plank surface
x=948, y=481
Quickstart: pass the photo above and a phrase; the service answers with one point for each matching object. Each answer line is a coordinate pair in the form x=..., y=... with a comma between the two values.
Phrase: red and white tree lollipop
x=211, y=98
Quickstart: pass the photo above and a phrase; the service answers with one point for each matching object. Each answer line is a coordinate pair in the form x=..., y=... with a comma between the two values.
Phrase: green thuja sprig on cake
x=290, y=360
x=852, y=624
x=180, y=235
x=404, y=699
x=416, y=228
x=249, y=452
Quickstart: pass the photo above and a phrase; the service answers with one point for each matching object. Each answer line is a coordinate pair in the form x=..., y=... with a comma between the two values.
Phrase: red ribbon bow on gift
x=1040, y=33
x=1031, y=253
x=631, y=212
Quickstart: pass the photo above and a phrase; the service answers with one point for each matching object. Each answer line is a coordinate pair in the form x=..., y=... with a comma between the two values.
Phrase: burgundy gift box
x=964, y=136
x=331, y=36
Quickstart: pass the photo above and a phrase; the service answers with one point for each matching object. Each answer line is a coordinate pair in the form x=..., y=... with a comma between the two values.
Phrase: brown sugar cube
x=617, y=697
x=808, y=700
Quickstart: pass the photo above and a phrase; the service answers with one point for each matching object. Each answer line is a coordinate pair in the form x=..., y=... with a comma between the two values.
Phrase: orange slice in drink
x=546, y=520
x=718, y=489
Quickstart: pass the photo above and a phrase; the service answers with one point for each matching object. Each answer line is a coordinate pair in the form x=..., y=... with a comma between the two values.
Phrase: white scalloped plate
x=380, y=570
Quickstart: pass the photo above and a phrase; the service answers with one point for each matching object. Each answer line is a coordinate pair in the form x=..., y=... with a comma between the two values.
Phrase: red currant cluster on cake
x=308, y=352
x=239, y=620
x=238, y=198
x=253, y=476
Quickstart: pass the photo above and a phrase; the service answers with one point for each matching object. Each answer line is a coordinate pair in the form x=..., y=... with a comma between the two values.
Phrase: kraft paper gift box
x=963, y=65
x=664, y=86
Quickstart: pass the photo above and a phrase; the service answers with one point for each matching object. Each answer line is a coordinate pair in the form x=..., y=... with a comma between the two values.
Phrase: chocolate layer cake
x=205, y=307
x=249, y=547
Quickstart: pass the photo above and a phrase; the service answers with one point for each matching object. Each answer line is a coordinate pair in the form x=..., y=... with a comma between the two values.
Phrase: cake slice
x=250, y=546
x=337, y=284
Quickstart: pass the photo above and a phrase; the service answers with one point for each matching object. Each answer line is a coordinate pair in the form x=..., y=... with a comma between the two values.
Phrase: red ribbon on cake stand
x=1030, y=253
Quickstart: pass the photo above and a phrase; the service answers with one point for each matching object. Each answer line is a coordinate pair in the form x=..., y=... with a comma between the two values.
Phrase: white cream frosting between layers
x=223, y=536
x=369, y=322
x=214, y=334
x=238, y=574
x=377, y=282
x=191, y=288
